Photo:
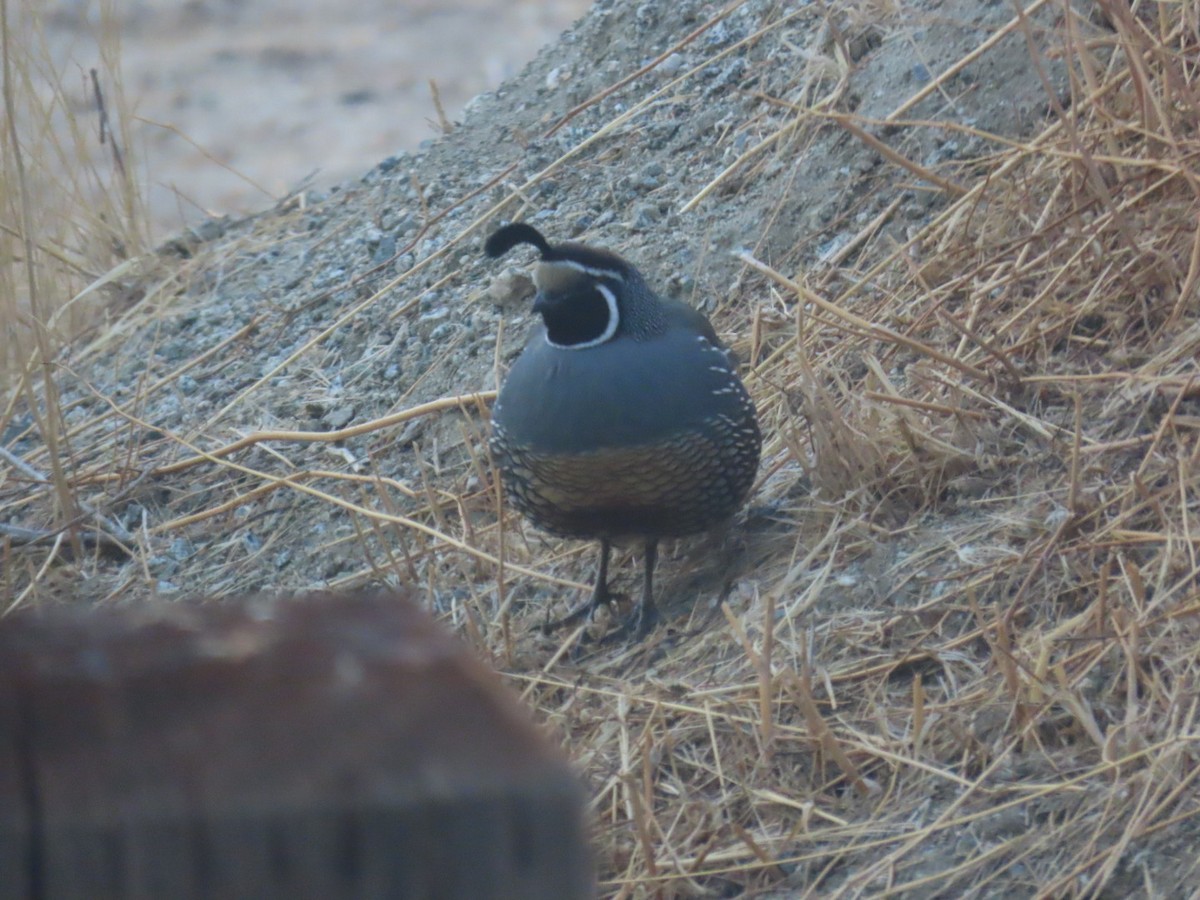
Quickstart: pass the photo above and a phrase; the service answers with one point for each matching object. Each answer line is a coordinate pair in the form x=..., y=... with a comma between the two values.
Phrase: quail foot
x=623, y=418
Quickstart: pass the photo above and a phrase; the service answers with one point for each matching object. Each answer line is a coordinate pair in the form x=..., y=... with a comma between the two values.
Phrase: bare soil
x=241, y=102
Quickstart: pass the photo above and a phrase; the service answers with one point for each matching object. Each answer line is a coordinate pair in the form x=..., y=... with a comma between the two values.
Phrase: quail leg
x=600, y=595
x=642, y=620
x=646, y=615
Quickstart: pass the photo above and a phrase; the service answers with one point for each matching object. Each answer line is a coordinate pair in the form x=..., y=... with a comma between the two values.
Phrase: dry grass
x=968, y=662
x=71, y=219
x=73, y=234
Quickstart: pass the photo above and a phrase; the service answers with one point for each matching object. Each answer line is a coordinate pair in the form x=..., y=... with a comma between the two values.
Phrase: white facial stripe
x=587, y=270
x=614, y=319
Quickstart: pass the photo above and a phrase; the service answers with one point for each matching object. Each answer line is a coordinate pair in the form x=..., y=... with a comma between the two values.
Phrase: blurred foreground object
x=322, y=746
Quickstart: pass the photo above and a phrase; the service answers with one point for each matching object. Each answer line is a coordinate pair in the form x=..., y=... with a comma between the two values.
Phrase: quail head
x=623, y=417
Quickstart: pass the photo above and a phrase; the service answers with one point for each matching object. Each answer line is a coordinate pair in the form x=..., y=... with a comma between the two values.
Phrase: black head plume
x=506, y=237
x=596, y=261
x=585, y=294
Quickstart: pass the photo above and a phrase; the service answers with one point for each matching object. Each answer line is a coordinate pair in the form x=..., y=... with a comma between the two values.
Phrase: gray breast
x=622, y=393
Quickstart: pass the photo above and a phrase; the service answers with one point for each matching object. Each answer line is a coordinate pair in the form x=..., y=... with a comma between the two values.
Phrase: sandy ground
x=239, y=102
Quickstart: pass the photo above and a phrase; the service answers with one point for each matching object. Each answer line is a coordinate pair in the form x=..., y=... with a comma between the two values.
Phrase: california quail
x=623, y=417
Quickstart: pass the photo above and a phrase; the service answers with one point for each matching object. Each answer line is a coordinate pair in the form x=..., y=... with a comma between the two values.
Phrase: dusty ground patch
x=240, y=103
